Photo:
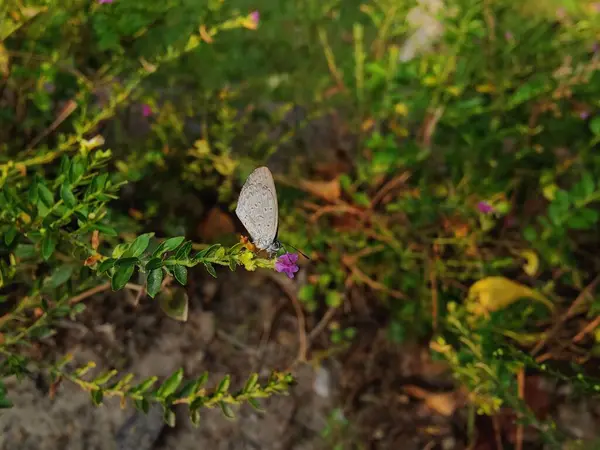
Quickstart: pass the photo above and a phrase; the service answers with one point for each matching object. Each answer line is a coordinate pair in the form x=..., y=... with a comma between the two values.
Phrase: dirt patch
x=230, y=330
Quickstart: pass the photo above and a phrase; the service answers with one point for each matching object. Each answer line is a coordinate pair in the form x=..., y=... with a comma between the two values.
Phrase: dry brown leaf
x=216, y=224
x=327, y=190
x=95, y=239
x=444, y=403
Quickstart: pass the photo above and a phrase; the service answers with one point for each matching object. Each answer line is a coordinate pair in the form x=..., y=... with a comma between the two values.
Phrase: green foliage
x=474, y=129
x=61, y=229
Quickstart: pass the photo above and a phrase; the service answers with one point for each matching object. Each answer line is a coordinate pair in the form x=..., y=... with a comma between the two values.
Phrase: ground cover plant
x=437, y=161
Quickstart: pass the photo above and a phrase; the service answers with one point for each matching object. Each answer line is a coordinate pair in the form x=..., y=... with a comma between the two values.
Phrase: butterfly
x=258, y=211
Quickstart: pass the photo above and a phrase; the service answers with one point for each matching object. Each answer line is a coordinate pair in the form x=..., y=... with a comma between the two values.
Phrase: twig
x=393, y=183
x=101, y=288
x=62, y=116
x=302, y=340
x=236, y=342
x=520, y=427
x=583, y=295
x=319, y=327
x=497, y=434
x=350, y=263
x=434, y=296
x=335, y=208
x=588, y=329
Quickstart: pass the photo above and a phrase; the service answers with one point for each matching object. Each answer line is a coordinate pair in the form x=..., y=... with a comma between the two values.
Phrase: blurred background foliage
x=437, y=160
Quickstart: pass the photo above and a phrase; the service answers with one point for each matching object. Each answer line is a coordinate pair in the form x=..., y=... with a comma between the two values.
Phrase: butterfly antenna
x=299, y=251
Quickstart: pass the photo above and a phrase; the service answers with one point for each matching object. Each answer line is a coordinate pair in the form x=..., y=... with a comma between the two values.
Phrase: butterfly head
x=274, y=247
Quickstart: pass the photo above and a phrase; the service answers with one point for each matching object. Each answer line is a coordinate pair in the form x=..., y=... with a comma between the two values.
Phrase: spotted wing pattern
x=257, y=207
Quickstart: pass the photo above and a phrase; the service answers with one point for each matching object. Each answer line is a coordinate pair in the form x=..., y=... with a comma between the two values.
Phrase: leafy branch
x=173, y=390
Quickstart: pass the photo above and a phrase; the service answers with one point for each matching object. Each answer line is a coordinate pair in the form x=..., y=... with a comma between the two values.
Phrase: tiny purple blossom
x=508, y=36
x=102, y=2
x=146, y=110
x=255, y=18
x=286, y=263
x=485, y=208
x=584, y=115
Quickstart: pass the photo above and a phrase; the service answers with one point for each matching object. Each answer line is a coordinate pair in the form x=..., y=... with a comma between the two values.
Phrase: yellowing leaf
x=549, y=191
x=4, y=61
x=485, y=88
x=224, y=165
x=533, y=262
x=496, y=293
x=401, y=109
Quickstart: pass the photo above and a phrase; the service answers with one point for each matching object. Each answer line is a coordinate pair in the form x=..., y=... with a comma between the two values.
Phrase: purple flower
x=584, y=115
x=146, y=110
x=255, y=17
x=287, y=264
x=508, y=36
x=485, y=208
x=102, y=2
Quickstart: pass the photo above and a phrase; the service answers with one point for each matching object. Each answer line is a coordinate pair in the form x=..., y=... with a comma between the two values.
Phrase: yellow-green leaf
x=495, y=293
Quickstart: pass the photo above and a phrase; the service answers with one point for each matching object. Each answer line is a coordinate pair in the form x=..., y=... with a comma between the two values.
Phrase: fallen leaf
x=327, y=190
x=174, y=302
x=495, y=293
x=216, y=224
x=444, y=403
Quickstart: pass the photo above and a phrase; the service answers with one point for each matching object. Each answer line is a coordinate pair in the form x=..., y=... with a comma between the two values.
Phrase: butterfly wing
x=257, y=207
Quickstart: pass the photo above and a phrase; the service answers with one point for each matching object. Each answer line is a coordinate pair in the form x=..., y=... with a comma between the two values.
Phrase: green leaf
x=184, y=251
x=187, y=390
x=595, y=125
x=251, y=383
x=33, y=194
x=144, y=386
x=154, y=281
x=142, y=405
x=192, y=386
x=121, y=277
x=67, y=195
x=104, y=378
x=123, y=262
x=224, y=385
x=168, y=245
x=138, y=246
x=195, y=417
x=109, y=231
x=154, y=263
x=45, y=195
x=5, y=403
x=97, y=397
x=227, y=411
x=210, y=269
x=180, y=273
x=170, y=385
x=65, y=163
x=588, y=184
x=106, y=264
x=119, y=250
x=76, y=171
x=206, y=252
x=169, y=417
x=48, y=245
x=59, y=276
x=9, y=235
x=254, y=403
